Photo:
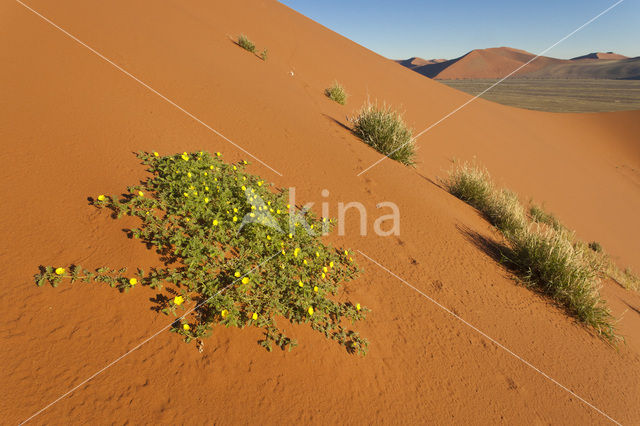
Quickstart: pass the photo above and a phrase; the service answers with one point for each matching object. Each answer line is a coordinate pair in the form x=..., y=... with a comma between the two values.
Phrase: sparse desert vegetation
x=336, y=93
x=546, y=257
x=384, y=129
x=557, y=95
x=540, y=215
x=246, y=44
x=207, y=219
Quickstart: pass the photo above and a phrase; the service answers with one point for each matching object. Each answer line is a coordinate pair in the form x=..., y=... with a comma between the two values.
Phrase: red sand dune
x=496, y=62
x=418, y=62
x=70, y=120
x=601, y=55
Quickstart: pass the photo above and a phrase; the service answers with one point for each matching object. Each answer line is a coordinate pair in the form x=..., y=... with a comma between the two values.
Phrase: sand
x=70, y=122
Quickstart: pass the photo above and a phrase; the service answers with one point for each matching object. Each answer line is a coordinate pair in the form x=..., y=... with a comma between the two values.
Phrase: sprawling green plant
x=336, y=93
x=234, y=250
x=384, y=130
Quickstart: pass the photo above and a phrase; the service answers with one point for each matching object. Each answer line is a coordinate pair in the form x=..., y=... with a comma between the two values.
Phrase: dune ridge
x=498, y=62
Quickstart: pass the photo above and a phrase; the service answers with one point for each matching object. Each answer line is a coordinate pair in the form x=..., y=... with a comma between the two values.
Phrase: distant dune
x=418, y=62
x=498, y=62
x=601, y=55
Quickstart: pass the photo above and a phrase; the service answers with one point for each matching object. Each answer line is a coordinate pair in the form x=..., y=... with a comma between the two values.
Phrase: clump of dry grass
x=246, y=44
x=383, y=129
x=547, y=257
x=538, y=214
x=337, y=93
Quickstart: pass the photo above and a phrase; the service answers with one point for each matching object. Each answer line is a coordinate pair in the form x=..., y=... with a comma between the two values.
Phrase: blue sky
x=447, y=29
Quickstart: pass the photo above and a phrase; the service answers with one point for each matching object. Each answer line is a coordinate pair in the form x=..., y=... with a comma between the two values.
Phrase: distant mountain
x=498, y=62
x=418, y=62
x=601, y=55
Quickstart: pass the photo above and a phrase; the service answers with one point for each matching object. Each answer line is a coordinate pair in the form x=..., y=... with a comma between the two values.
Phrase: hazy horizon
x=432, y=30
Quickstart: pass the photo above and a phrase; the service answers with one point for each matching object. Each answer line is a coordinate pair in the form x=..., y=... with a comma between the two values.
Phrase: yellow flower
x=304, y=261
x=101, y=197
x=235, y=168
x=252, y=214
x=346, y=252
x=185, y=194
x=350, y=259
x=186, y=327
x=283, y=252
x=245, y=280
x=296, y=251
x=185, y=158
x=155, y=154
x=310, y=310
x=237, y=274
x=324, y=268
x=206, y=174
x=206, y=188
x=288, y=206
x=243, y=188
x=244, y=162
x=215, y=222
x=206, y=200
x=254, y=316
x=189, y=174
x=60, y=271
x=235, y=218
x=133, y=281
x=195, y=192
x=300, y=283
x=290, y=235
x=315, y=288
x=269, y=237
x=260, y=183
x=330, y=264
x=317, y=254
x=235, y=210
x=178, y=300
x=224, y=313
x=358, y=306
x=217, y=155
x=140, y=193
x=211, y=167
x=323, y=275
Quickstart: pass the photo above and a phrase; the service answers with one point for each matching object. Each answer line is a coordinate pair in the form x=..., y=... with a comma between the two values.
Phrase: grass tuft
x=336, y=93
x=545, y=257
x=246, y=44
x=538, y=214
x=384, y=130
x=548, y=260
x=472, y=184
x=595, y=246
